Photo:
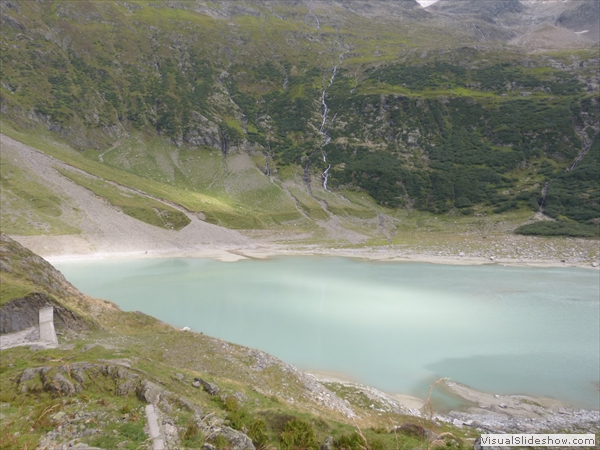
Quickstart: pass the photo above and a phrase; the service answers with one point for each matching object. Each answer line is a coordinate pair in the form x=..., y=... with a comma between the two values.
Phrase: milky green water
x=395, y=326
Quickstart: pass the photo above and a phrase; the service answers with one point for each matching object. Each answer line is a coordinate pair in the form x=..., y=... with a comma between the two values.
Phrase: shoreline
x=484, y=411
x=83, y=251
x=224, y=255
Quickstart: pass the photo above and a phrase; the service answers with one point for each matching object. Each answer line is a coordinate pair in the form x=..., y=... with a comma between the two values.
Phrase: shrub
x=298, y=435
x=355, y=441
x=191, y=436
x=559, y=228
x=257, y=431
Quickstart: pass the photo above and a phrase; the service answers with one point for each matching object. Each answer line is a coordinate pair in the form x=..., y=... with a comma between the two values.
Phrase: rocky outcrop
x=211, y=388
x=67, y=380
x=582, y=17
x=21, y=313
x=150, y=392
x=487, y=11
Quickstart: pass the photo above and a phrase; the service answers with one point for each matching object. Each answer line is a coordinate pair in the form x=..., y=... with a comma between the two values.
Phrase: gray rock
x=31, y=372
x=209, y=447
x=165, y=406
x=77, y=374
x=237, y=439
x=149, y=392
x=88, y=347
x=28, y=374
x=211, y=388
x=190, y=406
x=89, y=432
x=240, y=397
x=328, y=444
x=59, y=415
x=125, y=388
x=60, y=385
x=595, y=264
x=21, y=313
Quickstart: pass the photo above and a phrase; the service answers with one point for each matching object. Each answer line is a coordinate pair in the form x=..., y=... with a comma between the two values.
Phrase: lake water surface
x=394, y=326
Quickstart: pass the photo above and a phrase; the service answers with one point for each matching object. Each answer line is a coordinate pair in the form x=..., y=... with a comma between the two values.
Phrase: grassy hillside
x=177, y=95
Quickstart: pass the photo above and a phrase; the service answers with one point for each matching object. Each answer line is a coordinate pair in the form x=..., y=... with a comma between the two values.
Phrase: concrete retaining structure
x=47, y=331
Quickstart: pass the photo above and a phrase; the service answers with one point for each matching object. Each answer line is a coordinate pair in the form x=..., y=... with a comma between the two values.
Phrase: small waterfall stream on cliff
x=323, y=128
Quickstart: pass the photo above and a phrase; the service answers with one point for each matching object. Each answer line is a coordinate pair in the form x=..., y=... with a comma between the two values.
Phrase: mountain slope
x=486, y=10
x=278, y=111
x=582, y=18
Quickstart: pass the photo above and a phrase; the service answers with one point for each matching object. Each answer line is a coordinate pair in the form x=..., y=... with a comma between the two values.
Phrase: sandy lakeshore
x=76, y=247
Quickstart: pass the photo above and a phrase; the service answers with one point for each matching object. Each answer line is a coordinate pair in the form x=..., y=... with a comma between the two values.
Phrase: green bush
x=355, y=441
x=257, y=431
x=298, y=435
x=191, y=436
x=559, y=228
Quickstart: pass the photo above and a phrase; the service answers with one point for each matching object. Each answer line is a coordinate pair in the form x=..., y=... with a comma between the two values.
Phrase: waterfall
x=324, y=129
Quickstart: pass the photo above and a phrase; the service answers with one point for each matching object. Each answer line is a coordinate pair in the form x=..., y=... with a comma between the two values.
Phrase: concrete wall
x=47, y=331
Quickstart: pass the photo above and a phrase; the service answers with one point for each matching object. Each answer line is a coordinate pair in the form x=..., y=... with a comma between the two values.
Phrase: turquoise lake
x=394, y=326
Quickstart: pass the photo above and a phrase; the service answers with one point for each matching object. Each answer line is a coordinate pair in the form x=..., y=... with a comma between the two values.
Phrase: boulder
x=237, y=439
x=125, y=388
x=59, y=384
x=31, y=372
x=149, y=392
x=211, y=388
x=412, y=430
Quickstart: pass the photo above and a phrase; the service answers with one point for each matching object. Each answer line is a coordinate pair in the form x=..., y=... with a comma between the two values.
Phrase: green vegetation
x=13, y=287
x=142, y=208
x=559, y=228
x=424, y=120
x=34, y=208
x=576, y=194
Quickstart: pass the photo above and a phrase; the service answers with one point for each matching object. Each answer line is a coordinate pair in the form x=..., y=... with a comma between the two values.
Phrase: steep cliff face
x=582, y=18
x=489, y=10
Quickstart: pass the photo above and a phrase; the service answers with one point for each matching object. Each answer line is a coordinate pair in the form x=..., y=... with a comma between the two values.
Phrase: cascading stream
x=323, y=130
x=316, y=18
